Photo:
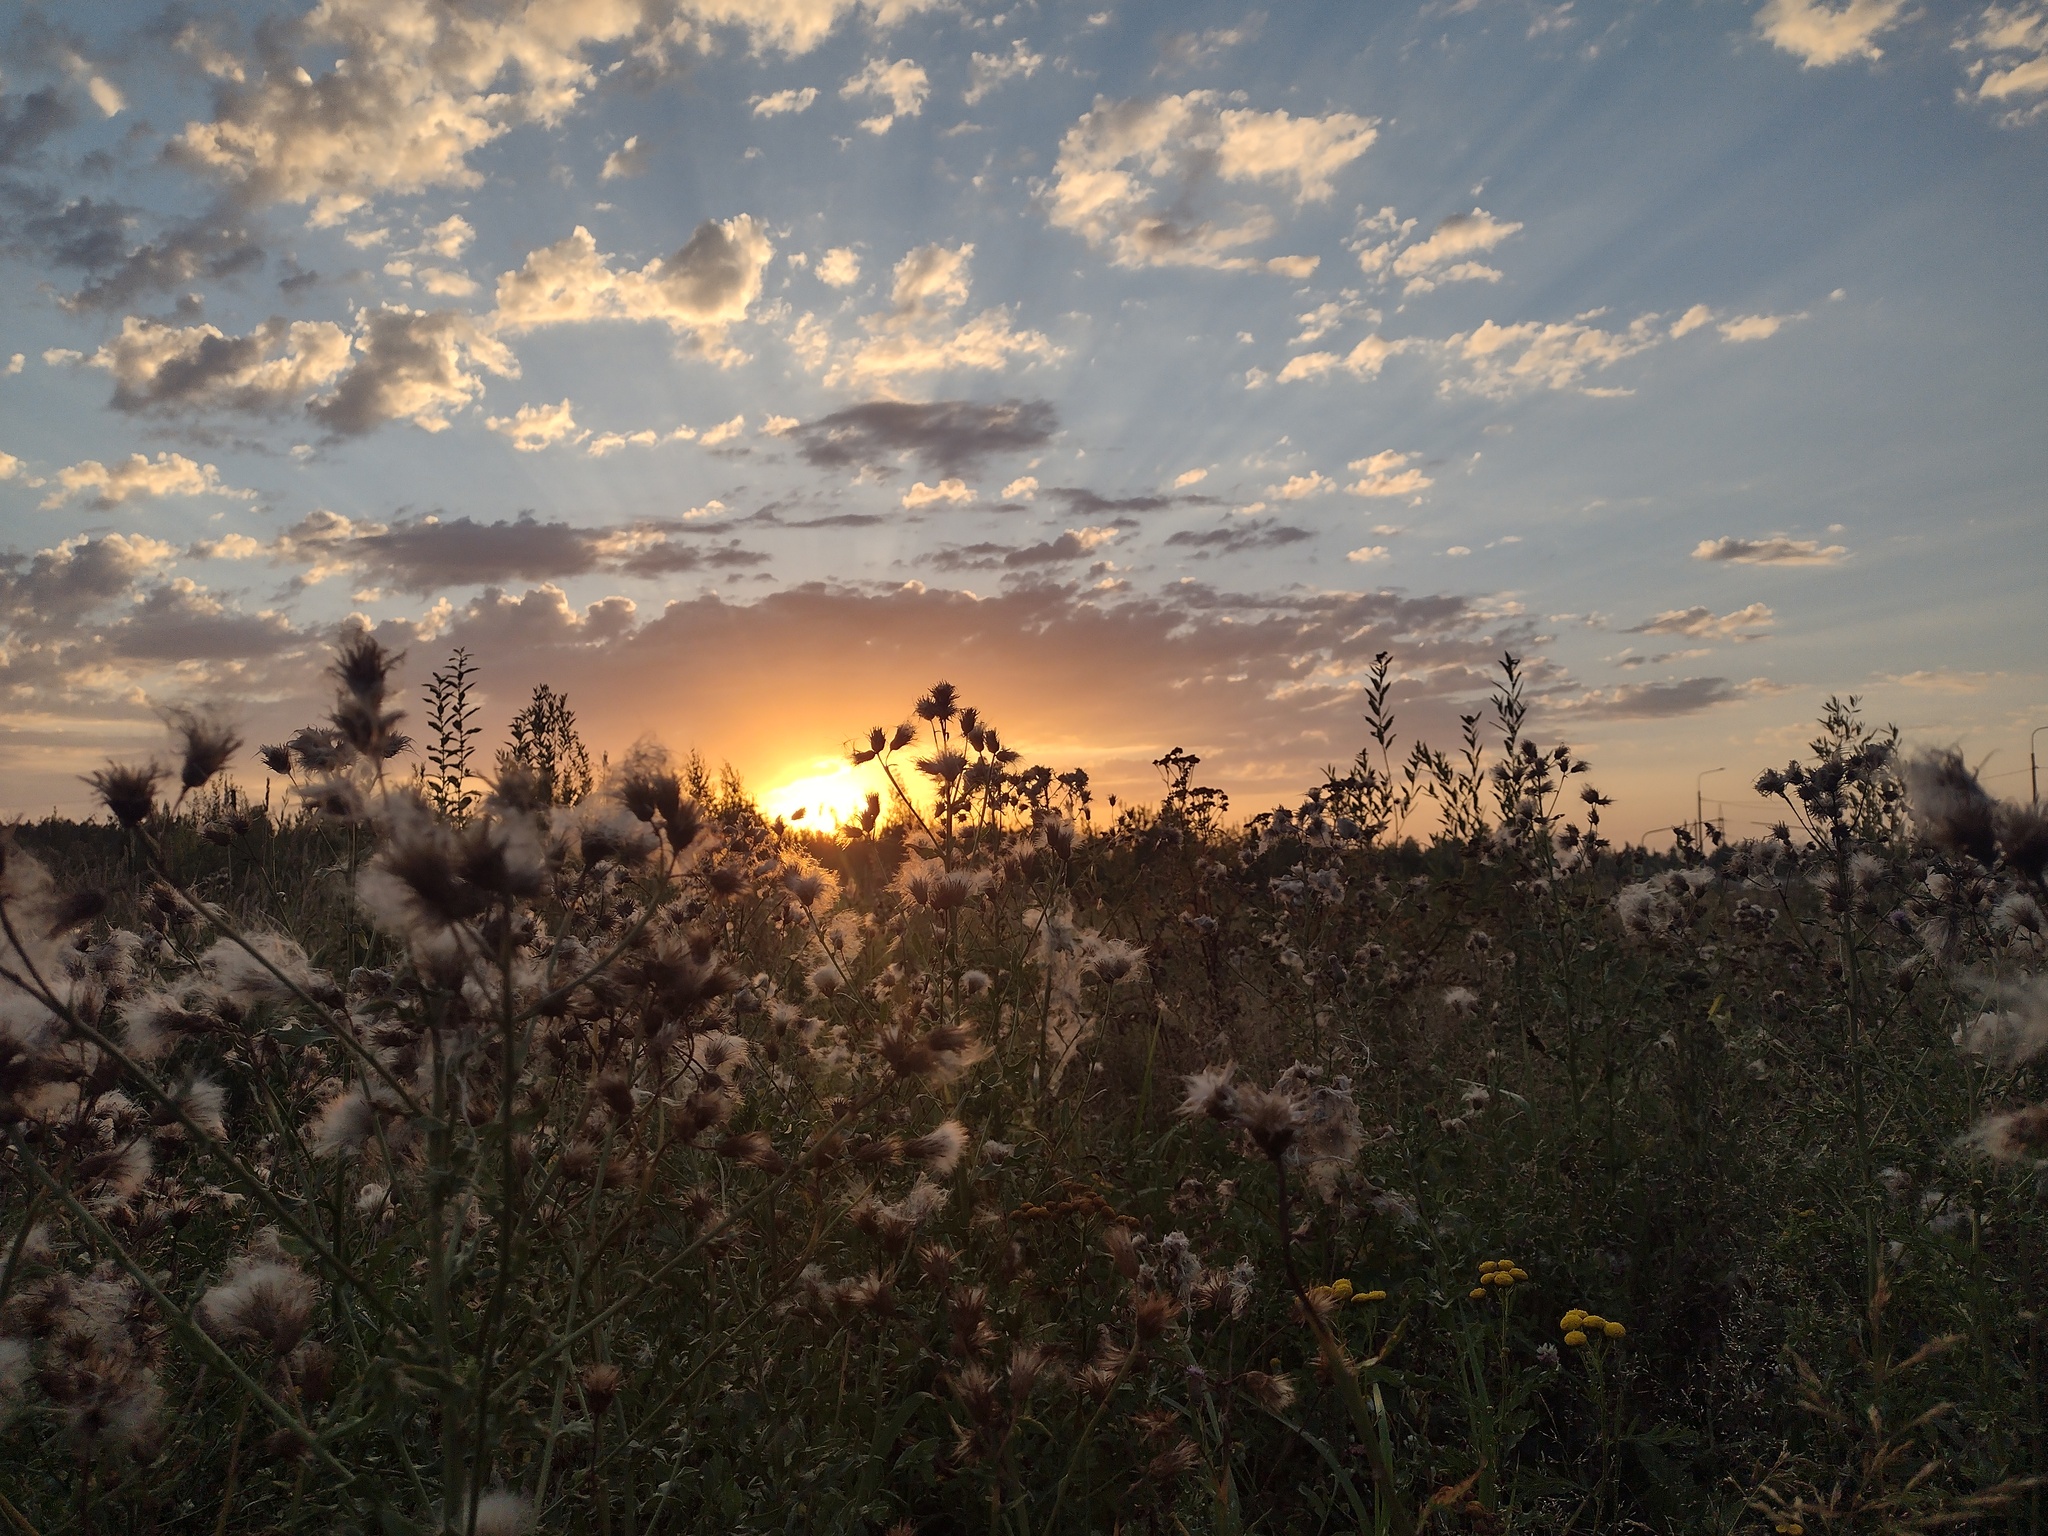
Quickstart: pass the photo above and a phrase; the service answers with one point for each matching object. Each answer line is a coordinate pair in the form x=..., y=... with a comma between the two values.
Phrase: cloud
x=1023, y=488
x=948, y=436
x=1943, y=680
x=922, y=332
x=1775, y=550
x=10, y=466
x=630, y=159
x=2013, y=61
x=168, y=368
x=1300, y=487
x=94, y=237
x=424, y=555
x=903, y=84
x=1129, y=172
x=839, y=267
x=415, y=88
x=1387, y=474
x=1505, y=360
x=1755, y=327
x=168, y=474
x=449, y=238
x=704, y=287
x=1660, y=701
x=28, y=122
x=1704, y=623
x=534, y=427
x=1699, y=315
x=1236, y=538
x=1363, y=361
x=1370, y=554
x=1074, y=544
x=780, y=102
x=990, y=70
x=1192, y=50
x=798, y=26
x=724, y=432
x=1188, y=477
x=411, y=365
x=1444, y=257
x=1819, y=33
x=952, y=493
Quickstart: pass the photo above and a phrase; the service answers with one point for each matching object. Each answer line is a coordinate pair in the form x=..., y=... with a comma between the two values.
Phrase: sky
x=742, y=367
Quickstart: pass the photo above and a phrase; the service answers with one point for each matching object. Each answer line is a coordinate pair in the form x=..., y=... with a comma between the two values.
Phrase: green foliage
x=546, y=745
x=451, y=716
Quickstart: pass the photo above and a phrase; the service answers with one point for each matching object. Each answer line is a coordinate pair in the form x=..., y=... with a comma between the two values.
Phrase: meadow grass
x=419, y=1163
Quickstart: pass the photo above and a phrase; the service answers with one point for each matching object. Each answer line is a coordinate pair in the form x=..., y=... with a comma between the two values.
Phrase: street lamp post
x=1699, y=803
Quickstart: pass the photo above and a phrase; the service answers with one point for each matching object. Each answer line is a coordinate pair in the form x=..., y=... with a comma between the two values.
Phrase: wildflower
x=1027, y=1364
x=1271, y=1119
x=2008, y=1138
x=974, y=983
x=1950, y=807
x=1613, y=1330
x=1460, y=1002
x=246, y=977
x=1209, y=1093
x=342, y=1125
x=1341, y=1287
x=600, y=1382
x=938, y=1150
x=1477, y=1293
x=1122, y=1247
x=1575, y=1337
x=941, y=1055
x=207, y=745
x=1365, y=1296
x=261, y=1300
x=277, y=759
x=1112, y=960
x=1572, y=1319
x=499, y=1513
x=129, y=794
x=1271, y=1391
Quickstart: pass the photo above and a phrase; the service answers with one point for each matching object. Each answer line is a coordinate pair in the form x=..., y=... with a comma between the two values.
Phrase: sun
x=833, y=793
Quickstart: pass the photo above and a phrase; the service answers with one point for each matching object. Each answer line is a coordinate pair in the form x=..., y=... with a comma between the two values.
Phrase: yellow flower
x=1573, y=1318
x=1370, y=1296
x=1488, y=1266
x=1519, y=1273
x=1613, y=1330
x=1575, y=1338
x=1341, y=1289
x=1478, y=1293
x=1595, y=1320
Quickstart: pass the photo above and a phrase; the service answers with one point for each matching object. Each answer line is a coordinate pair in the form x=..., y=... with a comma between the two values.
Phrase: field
x=405, y=1160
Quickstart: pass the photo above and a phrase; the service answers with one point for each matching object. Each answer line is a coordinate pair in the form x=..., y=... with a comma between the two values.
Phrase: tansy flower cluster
x=1497, y=1272
x=1341, y=1290
x=1579, y=1325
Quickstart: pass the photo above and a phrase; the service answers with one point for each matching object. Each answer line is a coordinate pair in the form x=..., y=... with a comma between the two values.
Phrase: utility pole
x=2034, y=764
x=1699, y=803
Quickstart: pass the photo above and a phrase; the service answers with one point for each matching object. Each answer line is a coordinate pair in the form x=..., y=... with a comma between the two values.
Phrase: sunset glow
x=832, y=794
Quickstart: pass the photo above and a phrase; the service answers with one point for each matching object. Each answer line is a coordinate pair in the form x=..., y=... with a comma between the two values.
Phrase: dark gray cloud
x=28, y=122
x=425, y=555
x=1235, y=538
x=204, y=249
x=1074, y=544
x=1651, y=701
x=946, y=436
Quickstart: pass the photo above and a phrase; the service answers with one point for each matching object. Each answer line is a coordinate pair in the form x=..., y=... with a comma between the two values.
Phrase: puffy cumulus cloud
x=1692, y=320
x=1301, y=487
x=1446, y=256
x=838, y=267
x=414, y=88
x=903, y=84
x=1775, y=550
x=1129, y=172
x=990, y=70
x=777, y=103
x=923, y=330
x=1819, y=33
x=1370, y=554
x=1364, y=361
x=2011, y=66
x=10, y=466
x=1659, y=701
x=1387, y=474
x=430, y=554
x=400, y=364
x=724, y=432
x=534, y=427
x=168, y=474
x=1023, y=488
x=947, y=493
x=1504, y=360
x=948, y=436
x=53, y=589
x=411, y=365
x=1705, y=624
x=159, y=367
x=706, y=286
